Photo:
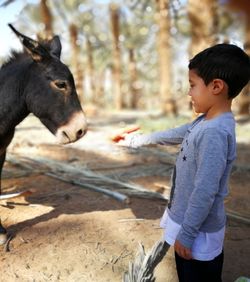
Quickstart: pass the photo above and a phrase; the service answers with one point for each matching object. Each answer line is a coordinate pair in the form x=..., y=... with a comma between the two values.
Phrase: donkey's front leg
x=4, y=143
x=2, y=159
x=3, y=232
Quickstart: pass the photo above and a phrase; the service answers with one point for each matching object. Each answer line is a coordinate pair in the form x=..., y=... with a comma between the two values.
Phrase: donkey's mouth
x=73, y=130
x=63, y=138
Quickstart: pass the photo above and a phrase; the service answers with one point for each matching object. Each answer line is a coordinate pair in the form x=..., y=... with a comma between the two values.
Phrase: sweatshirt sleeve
x=211, y=160
x=168, y=137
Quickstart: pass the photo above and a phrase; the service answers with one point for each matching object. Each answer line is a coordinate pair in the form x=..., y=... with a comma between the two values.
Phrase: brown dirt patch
x=67, y=233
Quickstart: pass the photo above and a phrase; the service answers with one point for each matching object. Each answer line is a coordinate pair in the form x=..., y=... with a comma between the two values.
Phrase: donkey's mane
x=15, y=57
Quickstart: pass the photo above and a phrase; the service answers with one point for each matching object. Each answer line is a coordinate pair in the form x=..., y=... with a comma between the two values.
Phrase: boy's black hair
x=224, y=61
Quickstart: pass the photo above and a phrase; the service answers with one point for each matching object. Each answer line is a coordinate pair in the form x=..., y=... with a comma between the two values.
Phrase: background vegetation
x=133, y=54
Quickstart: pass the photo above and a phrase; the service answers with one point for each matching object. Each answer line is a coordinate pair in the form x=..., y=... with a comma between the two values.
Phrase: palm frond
x=142, y=269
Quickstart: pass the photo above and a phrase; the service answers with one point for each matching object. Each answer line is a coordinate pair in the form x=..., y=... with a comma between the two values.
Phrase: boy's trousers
x=199, y=271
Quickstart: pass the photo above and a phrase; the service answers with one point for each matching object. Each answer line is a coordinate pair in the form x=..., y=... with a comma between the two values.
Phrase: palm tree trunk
x=164, y=49
x=134, y=95
x=76, y=61
x=116, y=70
x=47, y=20
x=203, y=16
x=244, y=97
x=91, y=72
x=100, y=81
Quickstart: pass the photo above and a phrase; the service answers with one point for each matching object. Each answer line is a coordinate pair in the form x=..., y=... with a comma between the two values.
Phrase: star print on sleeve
x=184, y=158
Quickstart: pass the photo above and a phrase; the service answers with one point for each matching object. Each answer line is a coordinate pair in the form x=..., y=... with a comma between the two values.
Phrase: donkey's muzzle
x=73, y=130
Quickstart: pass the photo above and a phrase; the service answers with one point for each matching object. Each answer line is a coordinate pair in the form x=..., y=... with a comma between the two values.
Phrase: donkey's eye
x=61, y=84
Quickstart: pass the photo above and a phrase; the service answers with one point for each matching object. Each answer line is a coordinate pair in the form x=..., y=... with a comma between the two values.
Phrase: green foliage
x=138, y=31
x=162, y=123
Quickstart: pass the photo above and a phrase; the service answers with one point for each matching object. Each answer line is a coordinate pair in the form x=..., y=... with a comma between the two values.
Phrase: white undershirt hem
x=206, y=245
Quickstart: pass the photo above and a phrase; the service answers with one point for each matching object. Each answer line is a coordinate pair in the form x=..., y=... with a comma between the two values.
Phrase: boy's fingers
x=183, y=251
x=184, y=254
x=117, y=138
x=131, y=128
x=120, y=135
x=187, y=254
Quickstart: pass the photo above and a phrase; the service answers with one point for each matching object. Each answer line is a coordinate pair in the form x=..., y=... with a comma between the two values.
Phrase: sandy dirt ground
x=64, y=232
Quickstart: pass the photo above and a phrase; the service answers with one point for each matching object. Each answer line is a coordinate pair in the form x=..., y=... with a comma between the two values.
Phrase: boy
x=194, y=221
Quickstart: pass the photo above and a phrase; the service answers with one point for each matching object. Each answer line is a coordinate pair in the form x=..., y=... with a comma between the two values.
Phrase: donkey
x=36, y=81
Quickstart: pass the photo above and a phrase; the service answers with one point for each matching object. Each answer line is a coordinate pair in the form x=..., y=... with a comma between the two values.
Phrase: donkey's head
x=50, y=91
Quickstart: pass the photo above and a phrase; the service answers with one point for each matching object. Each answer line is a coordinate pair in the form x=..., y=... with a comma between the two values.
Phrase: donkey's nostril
x=65, y=135
x=80, y=133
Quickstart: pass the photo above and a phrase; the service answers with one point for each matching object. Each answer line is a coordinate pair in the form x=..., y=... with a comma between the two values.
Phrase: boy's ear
x=218, y=86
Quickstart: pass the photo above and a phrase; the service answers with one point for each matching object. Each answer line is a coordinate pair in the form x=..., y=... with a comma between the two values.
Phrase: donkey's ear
x=36, y=50
x=55, y=47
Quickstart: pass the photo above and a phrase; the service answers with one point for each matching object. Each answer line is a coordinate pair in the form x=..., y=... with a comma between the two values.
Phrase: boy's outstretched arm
x=167, y=137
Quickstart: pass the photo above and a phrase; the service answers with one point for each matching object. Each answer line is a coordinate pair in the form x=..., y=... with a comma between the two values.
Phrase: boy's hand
x=121, y=134
x=182, y=251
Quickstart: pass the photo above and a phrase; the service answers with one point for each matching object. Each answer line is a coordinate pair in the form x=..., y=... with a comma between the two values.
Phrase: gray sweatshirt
x=201, y=173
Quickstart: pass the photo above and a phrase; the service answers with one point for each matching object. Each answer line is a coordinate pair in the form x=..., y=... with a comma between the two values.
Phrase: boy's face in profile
x=201, y=94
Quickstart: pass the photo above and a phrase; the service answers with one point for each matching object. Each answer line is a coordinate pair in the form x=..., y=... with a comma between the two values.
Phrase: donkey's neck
x=12, y=99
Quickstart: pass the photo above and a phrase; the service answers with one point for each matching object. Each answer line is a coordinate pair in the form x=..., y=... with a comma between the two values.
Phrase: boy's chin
x=196, y=110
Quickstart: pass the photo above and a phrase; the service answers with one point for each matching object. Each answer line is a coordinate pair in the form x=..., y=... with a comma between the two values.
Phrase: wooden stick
x=15, y=195
x=86, y=177
x=118, y=196
x=130, y=219
x=236, y=216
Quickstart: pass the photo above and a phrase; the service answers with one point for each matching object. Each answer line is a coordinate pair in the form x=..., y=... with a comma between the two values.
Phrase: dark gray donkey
x=36, y=81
